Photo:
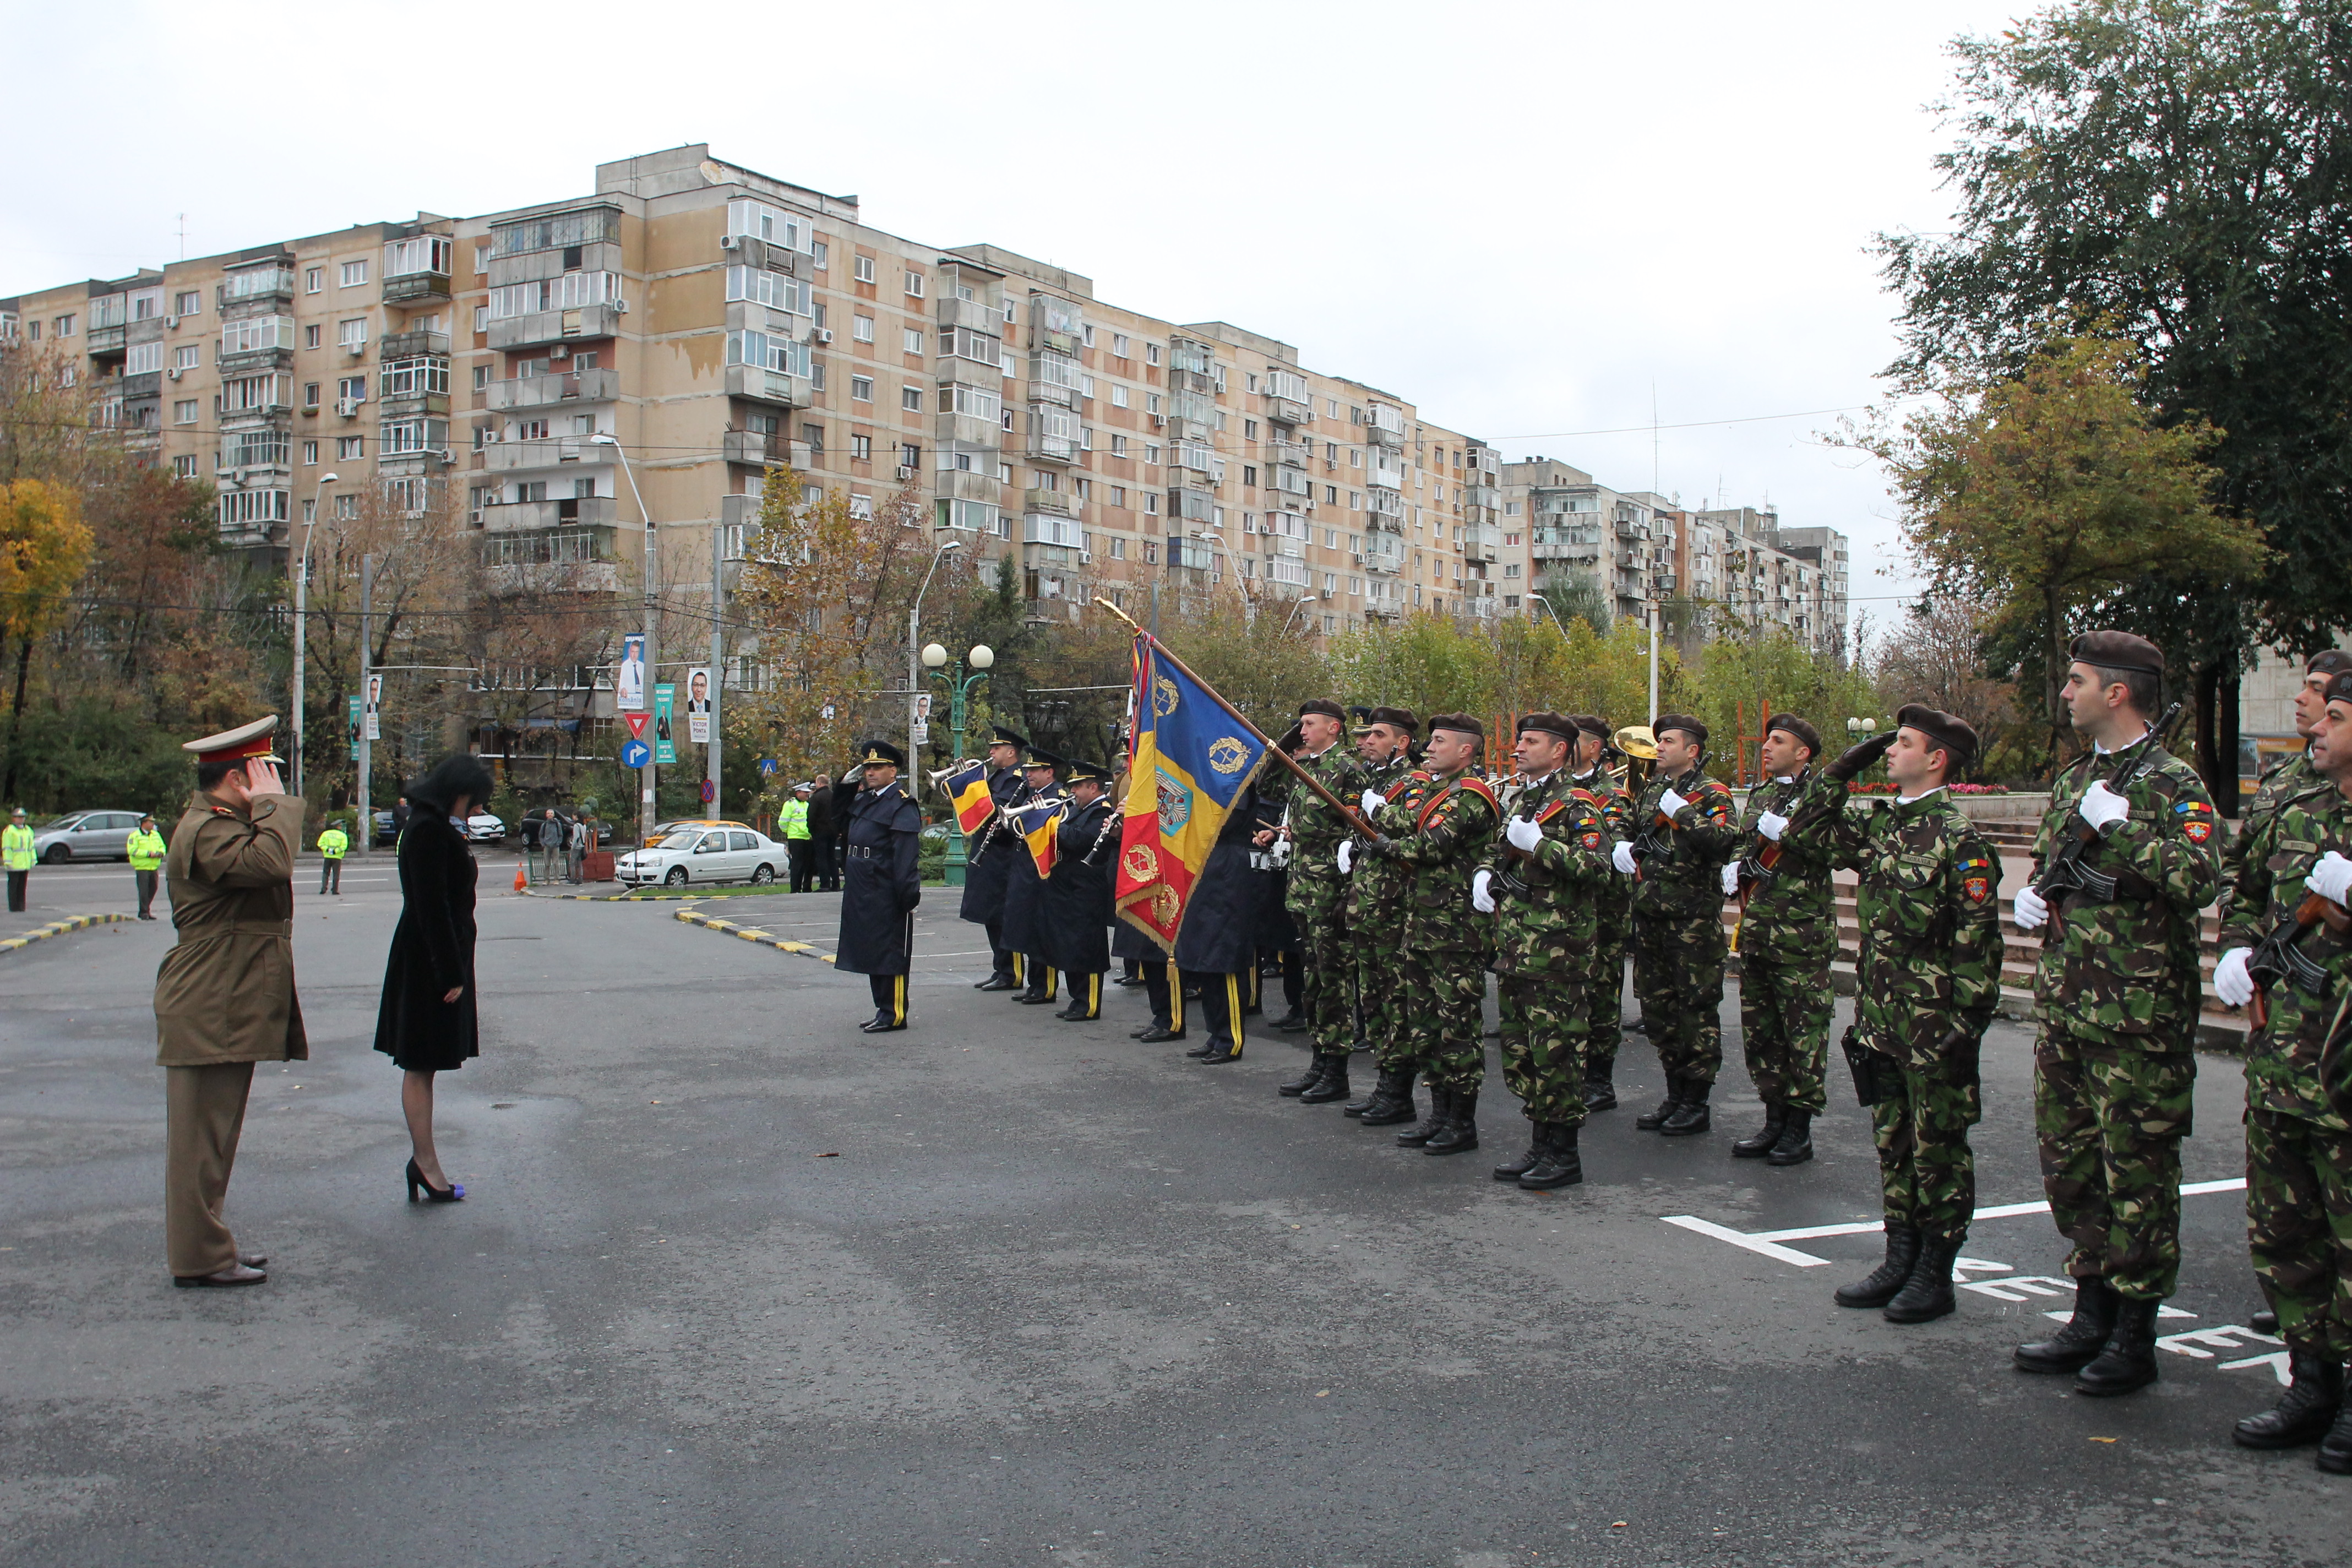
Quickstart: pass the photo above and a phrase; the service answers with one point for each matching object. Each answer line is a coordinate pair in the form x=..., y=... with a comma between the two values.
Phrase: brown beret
x=1943, y=732
x=1558, y=724
x=1807, y=736
x=1394, y=718
x=1460, y=722
x=1684, y=721
x=2339, y=687
x=1593, y=724
x=1328, y=709
x=2117, y=650
x=2331, y=662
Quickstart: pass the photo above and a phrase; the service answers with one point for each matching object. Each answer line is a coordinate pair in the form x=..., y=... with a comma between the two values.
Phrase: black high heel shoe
x=451, y=1193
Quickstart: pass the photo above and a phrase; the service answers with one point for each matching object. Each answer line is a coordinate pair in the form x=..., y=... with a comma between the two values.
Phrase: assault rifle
x=2276, y=957
x=1647, y=841
x=2066, y=873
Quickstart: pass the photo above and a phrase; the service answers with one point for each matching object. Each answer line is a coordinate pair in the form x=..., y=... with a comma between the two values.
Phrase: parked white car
x=691, y=855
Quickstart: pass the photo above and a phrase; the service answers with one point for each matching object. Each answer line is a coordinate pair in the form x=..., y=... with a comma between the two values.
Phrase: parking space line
x=1768, y=1241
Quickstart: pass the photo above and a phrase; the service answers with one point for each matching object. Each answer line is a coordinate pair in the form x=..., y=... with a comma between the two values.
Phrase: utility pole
x=718, y=659
x=1652, y=605
x=367, y=749
x=652, y=621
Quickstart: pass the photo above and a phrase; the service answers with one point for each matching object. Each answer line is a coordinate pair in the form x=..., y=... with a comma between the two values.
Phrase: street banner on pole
x=368, y=713
x=354, y=725
x=629, y=682
x=697, y=707
x=665, y=739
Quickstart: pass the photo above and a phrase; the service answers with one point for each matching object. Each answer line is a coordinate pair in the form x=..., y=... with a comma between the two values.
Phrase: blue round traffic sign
x=635, y=754
x=710, y=791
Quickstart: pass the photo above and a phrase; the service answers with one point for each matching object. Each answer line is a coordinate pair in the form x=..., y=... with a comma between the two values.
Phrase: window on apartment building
x=1118, y=345
x=821, y=255
x=1151, y=403
x=1151, y=452
x=352, y=275
x=310, y=395
x=862, y=268
x=310, y=454
x=910, y=398
x=1330, y=495
x=1118, y=397
x=1355, y=501
x=530, y=429
x=1151, y=353
x=310, y=335
x=184, y=468
x=348, y=506
x=187, y=303
x=814, y=434
x=481, y=378
x=187, y=356
x=1118, y=548
x=482, y=259
x=354, y=387
x=1355, y=458
x=861, y=328
x=1116, y=495
x=349, y=447
x=352, y=334
x=183, y=411
x=584, y=425
x=861, y=388
x=915, y=284
x=64, y=326
x=1151, y=503
x=816, y=375
x=1119, y=446
x=914, y=341
x=314, y=278
x=1249, y=475
x=861, y=448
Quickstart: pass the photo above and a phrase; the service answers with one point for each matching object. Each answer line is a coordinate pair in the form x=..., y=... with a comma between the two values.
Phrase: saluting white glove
x=1771, y=825
x=1622, y=857
x=2032, y=909
x=1672, y=803
x=1523, y=833
x=1731, y=880
x=2332, y=877
x=1372, y=801
x=1480, y=899
x=2231, y=983
x=2103, y=807
x=1346, y=855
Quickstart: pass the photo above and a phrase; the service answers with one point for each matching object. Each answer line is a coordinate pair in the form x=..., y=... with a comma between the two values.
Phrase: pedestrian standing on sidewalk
x=16, y=855
x=145, y=847
x=576, y=855
x=333, y=843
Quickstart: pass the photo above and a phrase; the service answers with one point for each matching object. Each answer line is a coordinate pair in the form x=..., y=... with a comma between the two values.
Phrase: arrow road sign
x=635, y=754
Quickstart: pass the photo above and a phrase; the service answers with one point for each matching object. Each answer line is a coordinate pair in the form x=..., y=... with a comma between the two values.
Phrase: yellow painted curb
x=57, y=928
x=752, y=934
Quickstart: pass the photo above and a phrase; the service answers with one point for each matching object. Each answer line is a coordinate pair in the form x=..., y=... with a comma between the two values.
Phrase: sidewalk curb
x=593, y=897
x=56, y=928
x=751, y=933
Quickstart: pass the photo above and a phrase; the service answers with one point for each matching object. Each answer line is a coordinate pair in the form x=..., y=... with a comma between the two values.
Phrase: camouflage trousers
x=1926, y=1172
x=2110, y=1119
x=2299, y=1228
x=1678, y=975
x=1379, y=958
x=1785, y=1009
x=1328, y=984
x=1543, y=1045
x=1439, y=1021
x=1604, y=996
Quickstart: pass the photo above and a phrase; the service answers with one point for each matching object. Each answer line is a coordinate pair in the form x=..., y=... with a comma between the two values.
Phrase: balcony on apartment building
x=757, y=384
x=1292, y=454
x=1385, y=426
x=1384, y=477
x=1485, y=496
x=776, y=450
x=1482, y=541
x=597, y=512
x=1284, y=410
x=1052, y=528
x=1383, y=553
x=257, y=286
x=555, y=326
x=417, y=269
x=419, y=344
x=1386, y=508
x=1058, y=503
x=546, y=390
x=545, y=452
x=1189, y=554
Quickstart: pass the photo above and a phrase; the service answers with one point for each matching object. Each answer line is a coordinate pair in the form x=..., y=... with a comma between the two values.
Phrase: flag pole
x=1349, y=813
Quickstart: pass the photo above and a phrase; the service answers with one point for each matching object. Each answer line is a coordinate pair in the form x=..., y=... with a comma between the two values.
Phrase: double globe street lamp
x=981, y=659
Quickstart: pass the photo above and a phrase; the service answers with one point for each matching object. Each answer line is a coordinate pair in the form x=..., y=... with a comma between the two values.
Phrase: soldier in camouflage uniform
x=1684, y=829
x=1788, y=935
x=1604, y=989
x=1539, y=882
x=2298, y=1131
x=1375, y=914
x=1926, y=988
x=2289, y=775
x=1444, y=971
x=2115, y=1071
x=1317, y=899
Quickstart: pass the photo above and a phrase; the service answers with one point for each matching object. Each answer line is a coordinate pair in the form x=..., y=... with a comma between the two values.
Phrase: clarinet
x=1110, y=820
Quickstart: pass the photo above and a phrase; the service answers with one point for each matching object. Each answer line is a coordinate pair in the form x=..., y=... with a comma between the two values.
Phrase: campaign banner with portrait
x=697, y=707
x=629, y=679
x=664, y=737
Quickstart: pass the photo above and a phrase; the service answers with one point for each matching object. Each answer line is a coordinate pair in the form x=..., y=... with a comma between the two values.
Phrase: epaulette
x=1471, y=782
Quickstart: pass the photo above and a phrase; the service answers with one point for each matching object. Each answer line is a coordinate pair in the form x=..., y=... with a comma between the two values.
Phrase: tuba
x=1633, y=744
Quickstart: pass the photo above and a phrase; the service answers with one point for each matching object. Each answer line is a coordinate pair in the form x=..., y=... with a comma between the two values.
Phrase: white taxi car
x=699, y=853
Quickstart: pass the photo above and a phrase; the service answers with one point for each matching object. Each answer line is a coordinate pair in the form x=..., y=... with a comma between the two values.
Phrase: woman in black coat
x=426, y=1021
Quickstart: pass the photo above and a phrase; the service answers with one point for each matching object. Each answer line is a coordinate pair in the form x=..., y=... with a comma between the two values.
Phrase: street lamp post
x=914, y=680
x=960, y=687
x=301, y=628
x=1305, y=600
x=652, y=652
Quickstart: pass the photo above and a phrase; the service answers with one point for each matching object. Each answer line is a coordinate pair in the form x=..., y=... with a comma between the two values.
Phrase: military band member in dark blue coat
x=1024, y=891
x=992, y=851
x=881, y=884
x=1078, y=893
x=1216, y=951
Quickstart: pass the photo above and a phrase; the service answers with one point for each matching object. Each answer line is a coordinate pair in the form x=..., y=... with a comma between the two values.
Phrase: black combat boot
x=1690, y=1117
x=2077, y=1345
x=1334, y=1085
x=2128, y=1361
x=2263, y=1322
x=1601, y=1085
x=2336, y=1448
x=1421, y=1132
x=1292, y=1022
x=1392, y=1101
x=1371, y=1096
x=1539, y=1133
x=1761, y=1143
x=1311, y=1075
x=1562, y=1166
x=1460, y=1134
x=2305, y=1412
x=1878, y=1287
x=1650, y=1120
x=1928, y=1294
x=1796, y=1144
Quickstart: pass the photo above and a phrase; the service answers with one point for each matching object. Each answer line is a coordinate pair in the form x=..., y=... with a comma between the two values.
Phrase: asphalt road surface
x=735, y=1284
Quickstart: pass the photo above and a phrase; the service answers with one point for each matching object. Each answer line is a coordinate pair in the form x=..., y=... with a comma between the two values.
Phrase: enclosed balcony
x=1052, y=528
x=1385, y=477
x=1384, y=503
x=1482, y=541
x=504, y=455
x=555, y=326
x=569, y=511
x=1384, y=553
x=1060, y=504
x=759, y=447
x=546, y=390
x=417, y=344
x=1385, y=426
x=257, y=285
x=757, y=384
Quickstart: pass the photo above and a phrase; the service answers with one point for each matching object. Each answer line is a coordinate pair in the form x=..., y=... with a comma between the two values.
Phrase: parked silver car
x=86, y=836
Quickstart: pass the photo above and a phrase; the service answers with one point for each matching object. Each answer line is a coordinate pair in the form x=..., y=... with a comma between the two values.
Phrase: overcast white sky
x=1523, y=218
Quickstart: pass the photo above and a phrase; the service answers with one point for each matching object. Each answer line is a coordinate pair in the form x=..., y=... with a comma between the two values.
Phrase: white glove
x=1346, y=855
x=1525, y=834
x=1771, y=825
x=2032, y=909
x=1622, y=857
x=2231, y=983
x=1480, y=899
x=1372, y=801
x=2103, y=807
x=1672, y=803
x=2332, y=877
x=1731, y=880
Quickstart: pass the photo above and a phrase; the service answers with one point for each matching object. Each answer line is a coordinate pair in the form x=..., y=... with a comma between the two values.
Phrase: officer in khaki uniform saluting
x=224, y=994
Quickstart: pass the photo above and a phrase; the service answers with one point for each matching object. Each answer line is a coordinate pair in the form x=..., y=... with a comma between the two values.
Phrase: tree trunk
x=2056, y=675
x=17, y=718
x=2207, y=678
x=2225, y=787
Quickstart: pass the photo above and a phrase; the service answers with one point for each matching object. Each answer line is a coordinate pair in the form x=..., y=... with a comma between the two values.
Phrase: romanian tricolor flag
x=966, y=787
x=1040, y=826
x=1190, y=760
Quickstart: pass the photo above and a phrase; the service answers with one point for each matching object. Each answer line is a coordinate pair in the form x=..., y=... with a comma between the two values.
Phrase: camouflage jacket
x=1929, y=901
x=2282, y=1060
x=1316, y=889
x=1546, y=916
x=1446, y=841
x=1377, y=889
x=1681, y=870
x=1616, y=899
x=2126, y=972
x=2289, y=776
x=1791, y=912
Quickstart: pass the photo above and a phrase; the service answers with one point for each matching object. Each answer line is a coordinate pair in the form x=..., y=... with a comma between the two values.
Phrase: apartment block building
x=712, y=322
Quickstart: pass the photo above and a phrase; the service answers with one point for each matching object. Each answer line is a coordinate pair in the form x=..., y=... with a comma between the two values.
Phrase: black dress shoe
x=1308, y=1077
x=1219, y=1053
x=879, y=1023
x=1155, y=1035
x=998, y=983
x=1074, y=1013
x=1034, y=999
x=1205, y=1047
x=1291, y=1023
x=1599, y=1094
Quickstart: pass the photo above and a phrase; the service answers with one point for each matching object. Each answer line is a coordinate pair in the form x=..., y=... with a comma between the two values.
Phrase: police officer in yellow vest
x=145, y=846
x=793, y=823
x=16, y=855
x=333, y=845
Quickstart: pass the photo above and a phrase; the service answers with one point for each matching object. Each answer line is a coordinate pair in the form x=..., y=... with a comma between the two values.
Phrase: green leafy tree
x=44, y=549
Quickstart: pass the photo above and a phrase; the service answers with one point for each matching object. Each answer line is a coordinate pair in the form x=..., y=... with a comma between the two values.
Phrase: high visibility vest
x=793, y=817
x=334, y=842
x=146, y=848
x=16, y=848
